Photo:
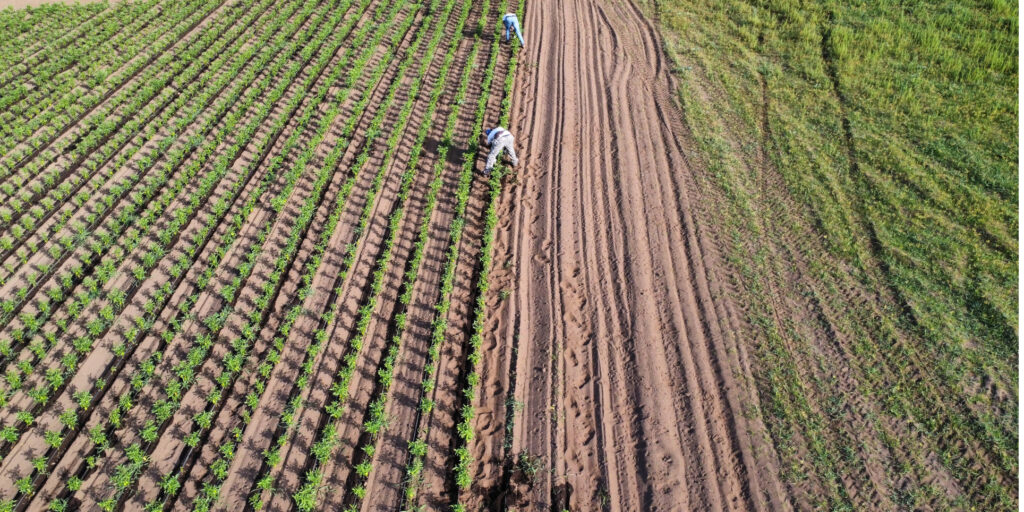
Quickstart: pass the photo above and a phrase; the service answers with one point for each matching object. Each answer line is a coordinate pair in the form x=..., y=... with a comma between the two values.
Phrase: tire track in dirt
x=625, y=376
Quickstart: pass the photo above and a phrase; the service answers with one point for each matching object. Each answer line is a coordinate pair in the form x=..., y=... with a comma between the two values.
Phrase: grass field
x=865, y=159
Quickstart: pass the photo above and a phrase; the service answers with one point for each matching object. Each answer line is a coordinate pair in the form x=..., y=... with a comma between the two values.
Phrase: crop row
x=103, y=240
x=156, y=202
x=106, y=239
x=79, y=159
x=46, y=60
x=270, y=358
x=463, y=478
x=326, y=440
x=203, y=421
x=80, y=35
x=119, y=298
x=105, y=271
x=232, y=364
x=417, y=447
x=27, y=31
x=60, y=245
x=307, y=277
x=185, y=372
x=83, y=161
x=200, y=237
x=37, y=32
x=99, y=125
x=377, y=419
x=346, y=189
x=439, y=326
x=59, y=84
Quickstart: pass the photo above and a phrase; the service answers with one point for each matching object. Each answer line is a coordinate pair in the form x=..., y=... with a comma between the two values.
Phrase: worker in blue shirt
x=511, y=22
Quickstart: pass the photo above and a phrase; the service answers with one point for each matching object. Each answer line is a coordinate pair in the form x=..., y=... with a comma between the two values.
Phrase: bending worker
x=511, y=22
x=499, y=139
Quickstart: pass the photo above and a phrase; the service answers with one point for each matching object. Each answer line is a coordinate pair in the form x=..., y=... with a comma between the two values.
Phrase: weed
x=528, y=465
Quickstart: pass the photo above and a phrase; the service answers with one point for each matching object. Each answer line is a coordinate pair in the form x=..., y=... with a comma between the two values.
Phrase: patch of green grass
x=892, y=128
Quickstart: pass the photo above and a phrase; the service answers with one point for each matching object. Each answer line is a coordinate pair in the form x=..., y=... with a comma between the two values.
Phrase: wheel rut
x=628, y=389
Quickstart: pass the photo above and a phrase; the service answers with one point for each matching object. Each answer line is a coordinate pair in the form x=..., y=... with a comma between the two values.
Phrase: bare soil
x=614, y=377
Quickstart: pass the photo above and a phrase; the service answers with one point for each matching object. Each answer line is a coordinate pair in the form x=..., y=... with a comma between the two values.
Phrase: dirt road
x=614, y=376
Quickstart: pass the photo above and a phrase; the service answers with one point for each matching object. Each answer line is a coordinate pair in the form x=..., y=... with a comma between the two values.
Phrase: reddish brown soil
x=614, y=362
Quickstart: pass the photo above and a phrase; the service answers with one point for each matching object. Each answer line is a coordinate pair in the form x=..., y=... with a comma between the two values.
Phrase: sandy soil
x=614, y=362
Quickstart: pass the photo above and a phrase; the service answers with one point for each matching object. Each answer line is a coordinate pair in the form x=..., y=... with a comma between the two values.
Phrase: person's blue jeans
x=512, y=23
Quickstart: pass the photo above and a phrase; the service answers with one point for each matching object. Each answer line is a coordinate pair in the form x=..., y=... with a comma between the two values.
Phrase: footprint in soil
x=560, y=496
x=518, y=494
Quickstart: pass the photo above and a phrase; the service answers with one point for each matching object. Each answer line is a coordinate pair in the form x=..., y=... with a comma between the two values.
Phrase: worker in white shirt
x=499, y=139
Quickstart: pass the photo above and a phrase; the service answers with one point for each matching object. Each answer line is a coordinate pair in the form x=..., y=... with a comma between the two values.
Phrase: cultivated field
x=235, y=237
x=757, y=256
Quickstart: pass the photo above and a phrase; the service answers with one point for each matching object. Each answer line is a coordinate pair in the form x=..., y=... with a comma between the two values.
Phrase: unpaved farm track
x=614, y=362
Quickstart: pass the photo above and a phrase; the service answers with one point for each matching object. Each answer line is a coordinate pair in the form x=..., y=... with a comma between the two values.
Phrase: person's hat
x=487, y=132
